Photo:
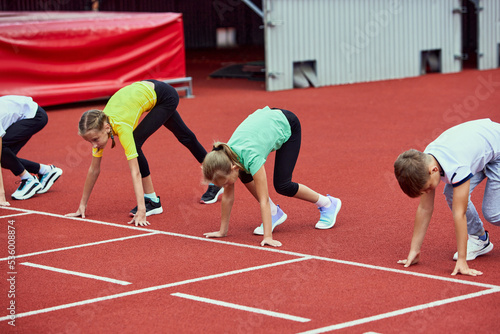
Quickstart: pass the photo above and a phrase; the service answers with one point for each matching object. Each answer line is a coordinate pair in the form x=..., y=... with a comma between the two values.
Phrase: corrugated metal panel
x=489, y=34
x=356, y=41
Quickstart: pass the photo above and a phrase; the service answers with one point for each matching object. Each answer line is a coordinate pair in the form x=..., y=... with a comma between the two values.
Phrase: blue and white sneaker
x=278, y=218
x=329, y=215
x=27, y=189
x=48, y=179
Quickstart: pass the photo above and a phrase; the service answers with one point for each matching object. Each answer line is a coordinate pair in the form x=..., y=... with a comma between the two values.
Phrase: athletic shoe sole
x=260, y=230
x=30, y=193
x=156, y=211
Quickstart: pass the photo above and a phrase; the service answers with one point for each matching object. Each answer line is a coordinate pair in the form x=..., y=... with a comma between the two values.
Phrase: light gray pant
x=491, y=198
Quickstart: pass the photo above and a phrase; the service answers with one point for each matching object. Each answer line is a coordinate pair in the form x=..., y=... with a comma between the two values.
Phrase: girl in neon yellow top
x=124, y=114
x=120, y=118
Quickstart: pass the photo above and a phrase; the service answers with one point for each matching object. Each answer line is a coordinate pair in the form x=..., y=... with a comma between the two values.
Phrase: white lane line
x=75, y=273
x=16, y=215
x=265, y=249
x=241, y=307
x=80, y=246
x=400, y=312
x=408, y=272
x=153, y=288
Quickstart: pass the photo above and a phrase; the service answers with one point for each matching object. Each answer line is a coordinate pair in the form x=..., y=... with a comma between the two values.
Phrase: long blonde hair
x=94, y=120
x=219, y=161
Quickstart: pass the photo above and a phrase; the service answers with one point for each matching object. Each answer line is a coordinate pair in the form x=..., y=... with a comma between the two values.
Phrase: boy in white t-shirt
x=20, y=119
x=462, y=157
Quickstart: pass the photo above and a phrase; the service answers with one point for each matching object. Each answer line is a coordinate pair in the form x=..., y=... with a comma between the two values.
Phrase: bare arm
x=92, y=175
x=459, y=209
x=260, y=180
x=140, y=216
x=226, y=207
x=422, y=220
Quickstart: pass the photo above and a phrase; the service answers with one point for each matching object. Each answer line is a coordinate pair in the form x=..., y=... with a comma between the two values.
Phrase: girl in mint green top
x=261, y=133
x=243, y=157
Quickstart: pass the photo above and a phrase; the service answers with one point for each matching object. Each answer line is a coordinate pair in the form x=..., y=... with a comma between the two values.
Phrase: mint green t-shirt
x=259, y=134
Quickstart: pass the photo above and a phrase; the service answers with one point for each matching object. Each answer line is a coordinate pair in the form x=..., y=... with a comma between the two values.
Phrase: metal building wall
x=489, y=34
x=356, y=41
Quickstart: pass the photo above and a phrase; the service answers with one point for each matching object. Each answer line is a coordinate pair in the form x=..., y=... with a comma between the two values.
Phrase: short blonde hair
x=411, y=169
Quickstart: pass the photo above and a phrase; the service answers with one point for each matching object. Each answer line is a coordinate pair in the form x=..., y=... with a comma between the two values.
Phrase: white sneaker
x=27, y=189
x=476, y=247
x=48, y=179
x=328, y=216
x=278, y=218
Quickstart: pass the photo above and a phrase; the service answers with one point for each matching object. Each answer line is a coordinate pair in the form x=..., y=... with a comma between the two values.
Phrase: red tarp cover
x=61, y=57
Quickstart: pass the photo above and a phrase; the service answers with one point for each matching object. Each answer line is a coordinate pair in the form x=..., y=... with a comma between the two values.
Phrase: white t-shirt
x=465, y=149
x=14, y=108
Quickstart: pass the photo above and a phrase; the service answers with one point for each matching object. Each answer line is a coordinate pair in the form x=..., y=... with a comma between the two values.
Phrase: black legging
x=165, y=113
x=285, y=160
x=16, y=136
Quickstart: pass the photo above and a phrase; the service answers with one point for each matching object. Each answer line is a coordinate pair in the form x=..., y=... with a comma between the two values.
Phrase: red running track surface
x=169, y=278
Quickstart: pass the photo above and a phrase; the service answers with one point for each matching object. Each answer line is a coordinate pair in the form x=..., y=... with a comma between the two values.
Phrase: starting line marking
x=265, y=249
x=153, y=288
x=75, y=273
x=81, y=245
x=491, y=288
x=15, y=215
x=241, y=307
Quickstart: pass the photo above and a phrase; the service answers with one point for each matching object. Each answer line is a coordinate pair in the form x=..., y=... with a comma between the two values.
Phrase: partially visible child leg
x=16, y=136
x=286, y=158
x=491, y=202
x=187, y=138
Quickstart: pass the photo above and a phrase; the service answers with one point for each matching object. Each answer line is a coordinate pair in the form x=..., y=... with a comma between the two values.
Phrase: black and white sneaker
x=211, y=195
x=27, y=189
x=48, y=179
x=152, y=208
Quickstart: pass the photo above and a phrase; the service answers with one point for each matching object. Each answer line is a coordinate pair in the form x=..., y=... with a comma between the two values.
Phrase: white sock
x=44, y=169
x=27, y=176
x=323, y=201
x=152, y=197
x=274, y=208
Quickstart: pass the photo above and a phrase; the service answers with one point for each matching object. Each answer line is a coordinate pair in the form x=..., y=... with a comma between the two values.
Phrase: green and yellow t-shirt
x=124, y=110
